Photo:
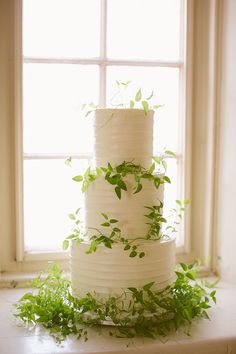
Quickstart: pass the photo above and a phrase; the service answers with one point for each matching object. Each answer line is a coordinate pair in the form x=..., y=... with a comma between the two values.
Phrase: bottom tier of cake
x=110, y=271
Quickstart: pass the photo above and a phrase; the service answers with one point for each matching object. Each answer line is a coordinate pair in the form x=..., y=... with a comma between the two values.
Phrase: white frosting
x=130, y=210
x=111, y=271
x=123, y=135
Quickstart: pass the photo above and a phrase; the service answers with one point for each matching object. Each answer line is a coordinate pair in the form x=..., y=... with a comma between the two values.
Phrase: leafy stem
x=148, y=313
x=116, y=176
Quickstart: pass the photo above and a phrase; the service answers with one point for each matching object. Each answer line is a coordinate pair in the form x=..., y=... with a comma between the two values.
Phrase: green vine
x=97, y=238
x=115, y=176
x=148, y=313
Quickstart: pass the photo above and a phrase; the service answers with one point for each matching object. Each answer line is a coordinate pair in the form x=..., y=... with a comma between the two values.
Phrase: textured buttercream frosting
x=123, y=135
x=129, y=210
x=111, y=271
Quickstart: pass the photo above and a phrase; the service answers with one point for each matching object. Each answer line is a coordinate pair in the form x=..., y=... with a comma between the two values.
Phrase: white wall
x=226, y=203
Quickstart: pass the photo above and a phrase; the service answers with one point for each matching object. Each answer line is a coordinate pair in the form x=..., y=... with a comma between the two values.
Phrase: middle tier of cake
x=130, y=210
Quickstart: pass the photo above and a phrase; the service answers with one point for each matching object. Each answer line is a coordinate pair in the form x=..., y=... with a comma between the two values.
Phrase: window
x=76, y=57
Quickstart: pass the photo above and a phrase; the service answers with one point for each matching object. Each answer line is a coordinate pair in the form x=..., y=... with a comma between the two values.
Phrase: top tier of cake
x=123, y=135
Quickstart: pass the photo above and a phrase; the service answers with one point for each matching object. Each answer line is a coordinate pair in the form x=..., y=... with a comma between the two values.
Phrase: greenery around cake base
x=138, y=312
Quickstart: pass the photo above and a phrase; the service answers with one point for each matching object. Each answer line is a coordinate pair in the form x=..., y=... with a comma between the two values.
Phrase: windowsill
x=217, y=336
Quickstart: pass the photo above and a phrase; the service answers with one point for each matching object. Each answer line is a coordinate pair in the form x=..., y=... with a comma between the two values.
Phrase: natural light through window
x=74, y=51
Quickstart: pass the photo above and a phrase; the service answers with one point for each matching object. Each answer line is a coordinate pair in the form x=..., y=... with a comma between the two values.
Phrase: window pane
x=49, y=196
x=61, y=28
x=143, y=29
x=53, y=96
x=165, y=83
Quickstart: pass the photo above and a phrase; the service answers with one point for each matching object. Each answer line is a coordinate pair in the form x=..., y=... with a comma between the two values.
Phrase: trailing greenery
x=138, y=312
x=138, y=101
x=115, y=176
x=113, y=235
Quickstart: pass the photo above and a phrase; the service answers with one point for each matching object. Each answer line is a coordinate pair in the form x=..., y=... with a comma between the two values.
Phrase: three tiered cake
x=122, y=136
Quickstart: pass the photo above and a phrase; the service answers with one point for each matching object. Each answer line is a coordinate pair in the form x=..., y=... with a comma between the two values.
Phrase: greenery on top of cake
x=137, y=312
x=119, y=100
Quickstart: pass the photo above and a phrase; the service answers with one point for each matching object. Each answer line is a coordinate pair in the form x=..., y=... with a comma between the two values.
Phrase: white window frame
x=195, y=246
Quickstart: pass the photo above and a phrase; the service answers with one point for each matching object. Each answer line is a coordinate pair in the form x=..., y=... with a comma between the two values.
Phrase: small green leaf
x=148, y=286
x=122, y=185
x=72, y=216
x=133, y=254
x=131, y=104
x=78, y=178
x=152, y=168
x=184, y=266
x=141, y=254
x=85, y=186
x=145, y=107
x=113, y=221
x=65, y=245
x=138, y=95
x=118, y=192
x=170, y=153
x=105, y=216
x=139, y=188
x=166, y=179
x=99, y=171
x=106, y=224
x=191, y=275
x=127, y=247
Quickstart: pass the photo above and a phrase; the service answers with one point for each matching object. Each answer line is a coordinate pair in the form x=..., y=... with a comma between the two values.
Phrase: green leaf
x=127, y=247
x=166, y=179
x=106, y=224
x=133, y=254
x=122, y=185
x=78, y=178
x=139, y=188
x=191, y=275
x=152, y=168
x=85, y=186
x=99, y=171
x=184, y=266
x=148, y=286
x=113, y=221
x=141, y=254
x=131, y=104
x=65, y=245
x=138, y=95
x=170, y=153
x=145, y=107
x=72, y=216
x=105, y=216
x=109, y=166
x=118, y=192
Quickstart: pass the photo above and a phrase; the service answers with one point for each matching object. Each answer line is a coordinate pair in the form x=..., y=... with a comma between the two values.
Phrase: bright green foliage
x=113, y=235
x=156, y=220
x=115, y=176
x=149, y=313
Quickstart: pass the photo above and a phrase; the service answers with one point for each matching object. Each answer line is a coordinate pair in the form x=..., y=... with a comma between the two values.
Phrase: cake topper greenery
x=137, y=312
x=122, y=100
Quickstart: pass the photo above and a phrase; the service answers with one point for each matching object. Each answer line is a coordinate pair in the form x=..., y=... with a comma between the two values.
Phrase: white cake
x=122, y=135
